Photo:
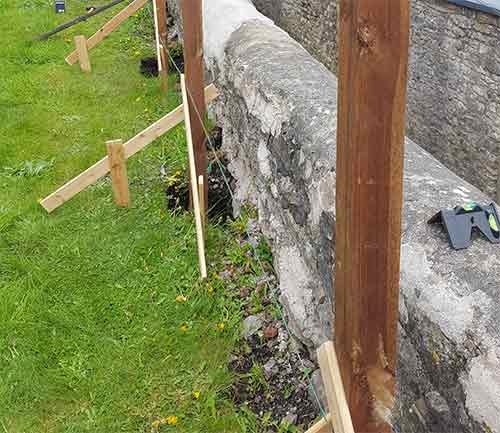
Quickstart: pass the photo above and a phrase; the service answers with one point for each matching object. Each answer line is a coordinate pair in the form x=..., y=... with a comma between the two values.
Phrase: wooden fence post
x=118, y=169
x=373, y=58
x=160, y=15
x=192, y=18
x=82, y=53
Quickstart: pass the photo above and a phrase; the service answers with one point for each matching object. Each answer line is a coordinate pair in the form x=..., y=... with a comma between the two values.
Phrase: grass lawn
x=92, y=338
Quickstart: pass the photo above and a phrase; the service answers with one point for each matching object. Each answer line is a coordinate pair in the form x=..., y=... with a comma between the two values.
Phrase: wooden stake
x=134, y=145
x=192, y=19
x=82, y=53
x=373, y=58
x=324, y=425
x=109, y=27
x=161, y=31
x=118, y=169
x=194, y=182
x=337, y=402
x=201, y=195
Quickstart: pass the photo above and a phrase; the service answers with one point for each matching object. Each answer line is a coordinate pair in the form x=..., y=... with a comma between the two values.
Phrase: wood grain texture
x=161, y=31
x=131, y=147
x=108, y=28
x=192, y=18
x=201, y=195
x=82, y=53
x=118, y=169
x=373, y=58
x=332, y=380
x=194, y=183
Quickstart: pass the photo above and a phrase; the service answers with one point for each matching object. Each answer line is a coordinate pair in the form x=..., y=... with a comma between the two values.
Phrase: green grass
x=90, y=330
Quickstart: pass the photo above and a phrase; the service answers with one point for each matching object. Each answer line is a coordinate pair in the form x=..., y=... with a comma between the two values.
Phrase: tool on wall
x=460, y=221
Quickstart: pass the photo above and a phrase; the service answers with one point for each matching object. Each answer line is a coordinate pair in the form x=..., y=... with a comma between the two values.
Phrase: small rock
x=251, y=325
x=270, y=368
x=270, y=331
x=290, y=419
x=283, y=339
x=225, y=275
x=438, y=406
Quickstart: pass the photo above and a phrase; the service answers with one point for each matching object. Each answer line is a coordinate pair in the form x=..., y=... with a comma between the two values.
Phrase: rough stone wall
x=454, y=77
x=278, y=112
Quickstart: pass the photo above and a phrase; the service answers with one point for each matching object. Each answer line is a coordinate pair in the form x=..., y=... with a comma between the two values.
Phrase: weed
x=29, y=168
x=257, y=379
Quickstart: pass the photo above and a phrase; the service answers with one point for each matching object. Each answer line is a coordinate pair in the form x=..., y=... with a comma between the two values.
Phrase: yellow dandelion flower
x=196, y=395
x=210, y=290
x=180, y=298
x=184, y=328
x=220, y=327
x=156, y=425
x=171, y=420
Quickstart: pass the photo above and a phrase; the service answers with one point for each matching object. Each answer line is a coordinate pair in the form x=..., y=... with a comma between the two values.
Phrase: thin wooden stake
x=201, y=195
x=373, y=61
x=161, y=32
x=82, y=53
x=194, y=182
x=192, y=18
x=118, y=169
x=337, y=402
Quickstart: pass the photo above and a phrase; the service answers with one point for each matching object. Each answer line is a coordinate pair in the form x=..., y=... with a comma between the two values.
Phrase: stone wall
x=454, y=77
x=278, y=112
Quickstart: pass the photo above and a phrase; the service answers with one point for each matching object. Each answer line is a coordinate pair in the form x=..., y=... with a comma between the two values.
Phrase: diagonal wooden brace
x=131, y=147
x=108, y=28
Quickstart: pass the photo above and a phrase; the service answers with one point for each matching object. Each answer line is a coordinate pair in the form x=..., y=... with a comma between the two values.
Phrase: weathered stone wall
x=454, y=77
x=278, y=112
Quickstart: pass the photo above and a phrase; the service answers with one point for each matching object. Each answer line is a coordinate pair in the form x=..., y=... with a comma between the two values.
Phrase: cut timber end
x=118, y=169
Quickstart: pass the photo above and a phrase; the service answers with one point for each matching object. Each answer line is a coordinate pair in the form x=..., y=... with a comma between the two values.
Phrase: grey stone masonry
x=454, y=77
x=277, y=108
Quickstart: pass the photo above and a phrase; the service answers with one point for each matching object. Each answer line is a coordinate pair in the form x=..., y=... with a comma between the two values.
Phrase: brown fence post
x=373, y=59
x=162, y=41
x=192, y=17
